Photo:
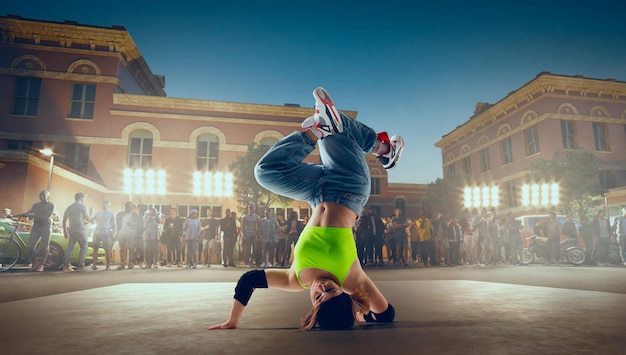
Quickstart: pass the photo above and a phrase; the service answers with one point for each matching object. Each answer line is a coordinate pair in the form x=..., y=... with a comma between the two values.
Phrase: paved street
x=464, y=310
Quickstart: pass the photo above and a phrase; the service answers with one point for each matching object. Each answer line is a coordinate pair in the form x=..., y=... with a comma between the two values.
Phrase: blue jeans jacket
x=342, y=177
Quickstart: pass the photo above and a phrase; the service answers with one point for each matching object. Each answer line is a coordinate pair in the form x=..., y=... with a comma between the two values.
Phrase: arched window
x=207, y=152
x=400, y=204
x=140, y=150
x=268, y=142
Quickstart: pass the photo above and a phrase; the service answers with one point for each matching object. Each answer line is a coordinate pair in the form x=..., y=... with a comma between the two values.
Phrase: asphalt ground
x=452, y=310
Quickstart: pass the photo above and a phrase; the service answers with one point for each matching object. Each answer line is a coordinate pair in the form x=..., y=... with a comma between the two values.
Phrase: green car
x=58, y=244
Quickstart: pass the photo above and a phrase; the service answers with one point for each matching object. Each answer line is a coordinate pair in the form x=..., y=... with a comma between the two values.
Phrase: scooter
x=537, y=250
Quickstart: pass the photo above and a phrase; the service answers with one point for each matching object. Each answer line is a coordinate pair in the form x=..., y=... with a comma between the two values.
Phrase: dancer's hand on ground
x=226, y=325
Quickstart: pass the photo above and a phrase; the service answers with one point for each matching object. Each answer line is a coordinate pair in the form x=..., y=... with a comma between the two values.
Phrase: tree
x=445, y=195
x=576, y=172
x=247, y=190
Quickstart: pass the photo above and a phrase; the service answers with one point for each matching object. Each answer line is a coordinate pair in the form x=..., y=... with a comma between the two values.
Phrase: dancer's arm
x=281, y=279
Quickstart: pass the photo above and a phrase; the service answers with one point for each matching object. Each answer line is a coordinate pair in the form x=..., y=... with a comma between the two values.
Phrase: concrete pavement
x=433, y=316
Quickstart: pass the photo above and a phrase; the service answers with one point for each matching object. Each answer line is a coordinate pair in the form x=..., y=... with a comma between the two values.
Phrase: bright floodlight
x=486, y=196
x=540, y=194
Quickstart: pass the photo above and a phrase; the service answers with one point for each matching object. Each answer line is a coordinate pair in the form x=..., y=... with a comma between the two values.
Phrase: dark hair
x=336, y=313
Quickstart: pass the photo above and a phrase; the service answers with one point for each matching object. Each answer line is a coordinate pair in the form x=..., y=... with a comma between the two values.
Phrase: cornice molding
x=209, y=105
x=61, y=76
x=68, y=34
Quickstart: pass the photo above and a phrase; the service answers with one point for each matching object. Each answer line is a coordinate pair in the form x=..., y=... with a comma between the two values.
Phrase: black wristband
x=247, y=283
x=387, y=316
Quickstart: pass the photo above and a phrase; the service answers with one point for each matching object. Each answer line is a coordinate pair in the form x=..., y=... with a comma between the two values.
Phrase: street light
x=50, y=153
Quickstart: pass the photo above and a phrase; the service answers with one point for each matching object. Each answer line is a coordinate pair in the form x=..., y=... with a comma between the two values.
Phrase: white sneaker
x=326, y=121
x=391, y=158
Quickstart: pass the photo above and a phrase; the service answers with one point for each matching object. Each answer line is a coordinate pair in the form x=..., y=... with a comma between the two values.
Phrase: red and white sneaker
x=396, y=148
x=327, y=120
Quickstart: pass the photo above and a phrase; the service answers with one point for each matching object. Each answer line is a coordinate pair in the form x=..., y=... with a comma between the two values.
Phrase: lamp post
x=49, y=153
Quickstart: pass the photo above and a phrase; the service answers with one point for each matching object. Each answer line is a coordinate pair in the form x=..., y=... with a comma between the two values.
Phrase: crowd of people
x=150, y=239
x=483, y=239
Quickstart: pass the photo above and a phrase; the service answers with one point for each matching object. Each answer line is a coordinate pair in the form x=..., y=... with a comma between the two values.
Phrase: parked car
x=58, y=244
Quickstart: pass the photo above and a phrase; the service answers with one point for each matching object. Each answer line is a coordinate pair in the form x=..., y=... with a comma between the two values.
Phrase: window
x=607, y=179
x=507, y=151
x=19, y=144
x=467, y=166
x=26, y=96
x=532, y=140
x=567, y=135
x=82, y=102
x=451, y=170
x=511, y=194
x=76, y=156
x=375, y=188
x=484, y=160
x=268, y=142
x=600, y=137
x=207, y=152
x=140, y=150
x=400, y=204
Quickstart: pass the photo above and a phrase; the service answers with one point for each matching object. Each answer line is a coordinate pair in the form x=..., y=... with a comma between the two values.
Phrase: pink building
x=86, y=93
x=551, y=113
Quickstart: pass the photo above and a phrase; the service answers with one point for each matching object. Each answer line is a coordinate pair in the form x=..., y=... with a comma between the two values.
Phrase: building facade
x=551, y=113
x=86, y=93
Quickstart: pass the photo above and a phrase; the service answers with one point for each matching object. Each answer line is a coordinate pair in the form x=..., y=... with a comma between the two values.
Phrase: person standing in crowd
x=74, y=220
x=281, y=238
x=494, y=246
x=513, y=226
x=553, y=230
x=400, y=223
x=129, y=225
x=250, y=232
x=137, y=249
x=442, y=245
x=210, y=226
x=173, y=230
x=268, y=229
x=569, y=229
x=191, y=232
x=621, y=234
x=390, y=242
x=41, y=213
x=587, y=236
x=294, y=228
x=427, y=244
x=481, y=238
x=373, y=229
x=454, y=240
x=162, y=240
x=601, y=231
x=106, y=230
x=228, y=229
x=468, y=253
x=414, y=242
x=151, y=239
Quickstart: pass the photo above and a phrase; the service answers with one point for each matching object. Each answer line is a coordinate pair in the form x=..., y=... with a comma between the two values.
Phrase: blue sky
x=409, y=67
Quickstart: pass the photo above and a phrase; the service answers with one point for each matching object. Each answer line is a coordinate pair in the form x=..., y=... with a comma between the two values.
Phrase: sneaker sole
x=397, y=156
x=322, y=96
